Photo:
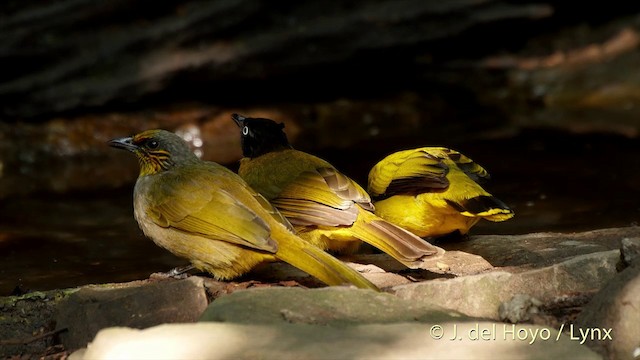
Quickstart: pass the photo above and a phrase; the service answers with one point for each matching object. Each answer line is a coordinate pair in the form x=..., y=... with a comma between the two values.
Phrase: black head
x=156, y=150
x=260, y=136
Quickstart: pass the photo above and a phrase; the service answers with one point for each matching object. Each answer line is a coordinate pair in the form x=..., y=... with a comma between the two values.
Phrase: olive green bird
x=433, y=191
x=327, y=208
x=203, y=212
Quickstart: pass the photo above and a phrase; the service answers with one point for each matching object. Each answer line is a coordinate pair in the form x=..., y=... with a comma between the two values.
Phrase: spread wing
x=322, y=197
x=191, y=202
x=408, y=172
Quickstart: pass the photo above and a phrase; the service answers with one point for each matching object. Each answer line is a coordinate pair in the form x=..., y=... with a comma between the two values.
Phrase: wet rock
x=481, y=295
x=26, y=323
x=71, y=154
x=305, y=341
x=614, y=310
x=332, y=305
x=137, y=305
x=555, y=81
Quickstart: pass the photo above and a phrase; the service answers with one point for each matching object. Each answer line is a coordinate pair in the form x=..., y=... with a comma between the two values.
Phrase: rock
x=630, y=251
x=71, y=154
x=304, y=341
x=519, y=309
x=26, y=320
x=542, y=249
x=457, y=283
x=229, y=51
x=332, y=305
x=381, y=278
x=614, y=309
x=92, y=308
x=481, y=295
x=383, y=270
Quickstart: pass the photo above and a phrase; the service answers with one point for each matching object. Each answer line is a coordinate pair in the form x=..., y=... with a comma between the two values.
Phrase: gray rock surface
x=90, y=309
x=630, y=251
x=542, y=249
x=332, y=305
x=611, y=319
x=481, y=295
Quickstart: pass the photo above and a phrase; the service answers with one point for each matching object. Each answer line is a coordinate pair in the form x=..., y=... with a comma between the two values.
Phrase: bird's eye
x=245, y=131
x=152, y=144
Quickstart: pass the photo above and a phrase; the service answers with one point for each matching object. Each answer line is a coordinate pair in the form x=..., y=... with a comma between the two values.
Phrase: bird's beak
x=239, y=119
x=123, y=143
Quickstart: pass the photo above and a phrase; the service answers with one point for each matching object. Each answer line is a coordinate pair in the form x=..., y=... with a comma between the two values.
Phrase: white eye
x=245, y=131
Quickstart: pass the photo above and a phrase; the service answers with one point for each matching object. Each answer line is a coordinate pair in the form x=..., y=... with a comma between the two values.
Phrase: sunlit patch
x=193, y=136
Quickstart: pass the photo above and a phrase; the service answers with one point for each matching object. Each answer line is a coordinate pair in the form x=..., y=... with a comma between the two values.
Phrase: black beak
x=239, y=119
x=123, y=143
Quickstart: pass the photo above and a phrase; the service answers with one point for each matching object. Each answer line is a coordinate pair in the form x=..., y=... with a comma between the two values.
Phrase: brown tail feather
x=402, y=245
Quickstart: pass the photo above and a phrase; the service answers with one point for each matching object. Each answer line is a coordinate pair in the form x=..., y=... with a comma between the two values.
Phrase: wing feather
x=408, y=172
x=322, y=197
x=191, y=203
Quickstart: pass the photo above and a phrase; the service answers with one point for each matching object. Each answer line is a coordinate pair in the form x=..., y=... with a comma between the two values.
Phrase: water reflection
x=553, y=181
x=58, y=241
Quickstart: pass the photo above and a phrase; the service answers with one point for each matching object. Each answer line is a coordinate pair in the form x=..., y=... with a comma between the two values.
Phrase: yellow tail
x=402, y=245
x=315, y=261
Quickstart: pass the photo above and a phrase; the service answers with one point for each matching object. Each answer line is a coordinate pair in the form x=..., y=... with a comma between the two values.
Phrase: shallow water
x=553, y=181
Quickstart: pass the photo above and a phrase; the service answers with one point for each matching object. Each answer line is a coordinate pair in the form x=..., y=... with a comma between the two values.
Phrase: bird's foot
x=180, y=272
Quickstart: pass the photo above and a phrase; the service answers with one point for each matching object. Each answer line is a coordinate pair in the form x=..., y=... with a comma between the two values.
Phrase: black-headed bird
x=327, y=208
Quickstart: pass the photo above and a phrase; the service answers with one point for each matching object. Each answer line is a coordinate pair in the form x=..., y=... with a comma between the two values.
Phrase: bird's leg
x=179, y=272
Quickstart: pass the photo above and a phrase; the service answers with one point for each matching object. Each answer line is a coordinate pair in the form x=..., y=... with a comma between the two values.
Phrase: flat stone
x=614, y=309
x=542, y=249
x=138, y=305
x=383, y=270
x=481, y=295
x=332, y=305
x=453, y=262
x=304, y=341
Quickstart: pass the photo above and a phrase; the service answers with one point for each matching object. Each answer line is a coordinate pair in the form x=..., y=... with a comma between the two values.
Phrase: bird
x=327, y=208
x=204, y=212
x=433, y=192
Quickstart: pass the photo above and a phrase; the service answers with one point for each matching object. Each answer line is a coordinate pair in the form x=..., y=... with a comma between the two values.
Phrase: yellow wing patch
x=188, y=206
x=410, y=171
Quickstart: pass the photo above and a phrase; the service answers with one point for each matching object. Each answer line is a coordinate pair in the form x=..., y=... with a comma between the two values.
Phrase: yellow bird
x=433, y=191
x=327, y=208
x=203, y=212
